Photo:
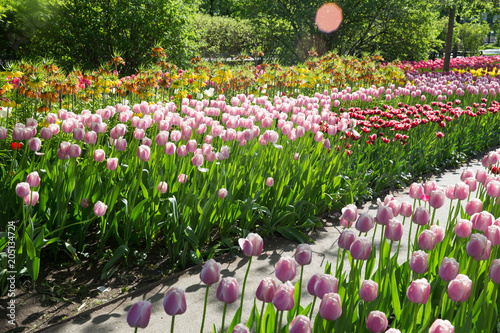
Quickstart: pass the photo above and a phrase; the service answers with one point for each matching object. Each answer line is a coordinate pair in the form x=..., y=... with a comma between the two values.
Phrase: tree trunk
x=449, y=39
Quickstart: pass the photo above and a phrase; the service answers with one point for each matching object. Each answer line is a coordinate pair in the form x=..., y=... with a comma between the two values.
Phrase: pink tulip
x=419, y=291
x=301, y=324
x=394, y=230
x=450, y=192
x=427, y=240
x=493, y=235
x=121, y=144
x=368, y=290
x=222, y=193
x=461, y=191
x=394, y=205
x=416, y=191
x=473, y=206
x=162, y=187
x=240, y=328
x=481, y=221
x=429, y=186
x=481, y=175
x=266, y=290
x=4, y=132
x=449, y=269
x=45, y=133
x=252, y=245
x=139, y=134
x=33, y=179
x=324, y=284
x=74, y=150
x=406, y=209
x=466, y=174
x=361, y=248
x=419, y=262
x=303, y=254
x=161, y=138
x=138, y=315
x=459, y=289
x=23, y=189
x=112, y=163
x=441, y=326
x=269, y=181
x=170, y=148
x=174, y=301
x=421, y=216
x=376, y=322
x=384, y=214
x=330, y=307
x=312, y=282
x=437, y=198
x=347, y=237
x=197, y=160
x=495, y=271
x=78, y=133
x=100, y=208
x=438, y=232
x=182, y=178
x=143, y=153
x=31, y=199
x=365, y=223
x=283, y=298
x=35, y=144
x=493, y=188
x=286, y=269
x=99, y=155
x=350, y=213
x=478, y=247
x=471, y=182
x=210, y=273
x=463, y=228
x=227, y=291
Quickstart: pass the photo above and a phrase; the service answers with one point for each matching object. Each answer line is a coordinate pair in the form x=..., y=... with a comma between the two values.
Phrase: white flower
x=4, y=112
x=209, y=92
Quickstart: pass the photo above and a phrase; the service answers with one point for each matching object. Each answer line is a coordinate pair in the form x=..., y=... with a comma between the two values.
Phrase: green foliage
x=470, y=36
x=219, y=35
x=89, y=33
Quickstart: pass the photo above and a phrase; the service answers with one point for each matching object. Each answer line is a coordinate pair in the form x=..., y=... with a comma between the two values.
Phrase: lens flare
x=329, y=17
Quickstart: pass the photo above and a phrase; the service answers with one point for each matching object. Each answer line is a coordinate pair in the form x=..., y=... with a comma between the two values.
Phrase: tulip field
x=188, y=162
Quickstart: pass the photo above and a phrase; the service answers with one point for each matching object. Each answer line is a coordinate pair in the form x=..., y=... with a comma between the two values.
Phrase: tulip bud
x=252, y=245
x=481, y=221
x=449, y=269
x=266, y=290
x=419, y=262
x=360, y=249
x=459, y=289
x=495, y=271
x=23, y=189
x=368, y=291
x=182, y=178
x=74, y=151
x=463, y=228
x=376, y=322
x=303, y=254
x=240, y=328
x=427, y=240
x=143, y=153
x=493, y=235
x=347, y=237
x=419, y=291
x=34, y=144
x=421, y=216
x=138, y=315
x=162, y=187
x=330, y=307
x=437, y=198
x=269, y=181
x=283, y=298
x=471, y=182
x=384, y=214
x=473, y=206
x=174, y=301
x=365, y=223
x=100, y=208
x=324, y=284
x=222, y=193
x=210, y=272
x=438, y=232
x=99, y=155
x=416, y=191
x=301, y=324
x=112, y=163
x=406, y=209
x=170, y=148
x=31, y=199
x=441, y=326
x=33, y=179
x=429, y=187
x=286, y=269
x=350, y=213
x=478, y=247
x=394, y=230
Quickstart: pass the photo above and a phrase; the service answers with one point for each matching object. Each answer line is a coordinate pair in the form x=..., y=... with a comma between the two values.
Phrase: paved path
x=112, y=317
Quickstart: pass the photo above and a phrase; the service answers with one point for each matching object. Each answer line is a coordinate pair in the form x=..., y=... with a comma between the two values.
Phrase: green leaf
x=254, y=316
x=121, y=251
x=396, y=305
x=235, y=321
x=29, y=246
x=294, y=234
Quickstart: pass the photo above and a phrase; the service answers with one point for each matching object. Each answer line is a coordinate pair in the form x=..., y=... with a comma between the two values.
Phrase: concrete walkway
x=112, y=316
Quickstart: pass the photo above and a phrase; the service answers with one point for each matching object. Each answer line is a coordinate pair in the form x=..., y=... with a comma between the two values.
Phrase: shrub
x=471, y=36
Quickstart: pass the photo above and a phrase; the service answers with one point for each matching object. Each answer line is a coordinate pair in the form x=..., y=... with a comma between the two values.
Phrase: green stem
x=135, y=331
x=312, y=307
x=223, y=317
x=300, y=289
x=172, y=325
x=281, y=319
x=257, y=329
x=276, y=322
x=204, y=310
x=491, y=308
x=244, y=284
